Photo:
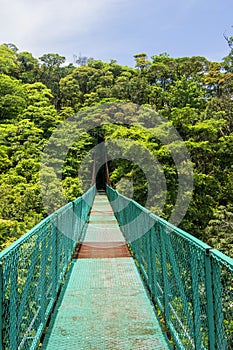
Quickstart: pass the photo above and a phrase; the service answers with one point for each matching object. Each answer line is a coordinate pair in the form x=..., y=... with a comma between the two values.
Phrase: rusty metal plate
x=102, y=250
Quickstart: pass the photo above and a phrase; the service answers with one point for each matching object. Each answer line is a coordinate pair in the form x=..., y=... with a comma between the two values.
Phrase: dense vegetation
x=194, y=94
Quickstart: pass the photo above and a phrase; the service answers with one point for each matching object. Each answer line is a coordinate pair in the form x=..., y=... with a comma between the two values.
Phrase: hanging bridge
x=99, y=276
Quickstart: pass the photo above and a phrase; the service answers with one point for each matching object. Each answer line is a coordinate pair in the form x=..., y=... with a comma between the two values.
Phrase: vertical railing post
x=165, y=275
x=73, y=235
x=148, y=259
x=42, y=280
x=210, y=302
x=81, y=228
x=153, y=266
x=149, y=250
x=54, y=257
x=1, y=306
x=13, y=307
x=196, y=299
x=58, y=253
x=220, y=335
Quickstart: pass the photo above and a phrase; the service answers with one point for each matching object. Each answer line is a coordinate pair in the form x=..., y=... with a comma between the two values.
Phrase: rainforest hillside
x=192, y=93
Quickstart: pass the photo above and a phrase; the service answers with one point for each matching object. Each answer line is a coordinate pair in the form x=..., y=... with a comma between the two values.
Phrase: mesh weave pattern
x=32, y=269
x=190, y=282
x=105, y=307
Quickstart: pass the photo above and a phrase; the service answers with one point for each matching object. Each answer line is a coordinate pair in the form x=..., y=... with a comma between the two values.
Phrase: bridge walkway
x=104, y=304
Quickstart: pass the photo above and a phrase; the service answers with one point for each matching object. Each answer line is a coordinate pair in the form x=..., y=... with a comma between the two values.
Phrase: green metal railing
x=32, y=270
x=191, y=283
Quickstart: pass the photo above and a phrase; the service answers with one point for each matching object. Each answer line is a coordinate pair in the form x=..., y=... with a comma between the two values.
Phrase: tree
x=51, y=73
x=228, y=60
x=121, y=88
x=162, y=71
x=191, y=67
x=71, y=95
x=12, y=98
x=52, y=60
x=28, y=67
x=219, y=229
x=8, y=61
x=12, y=47
x=183, y=118
x=215, y=80
x=21, y=206
x=187, y=92
x=139, y=90
x=142, y=61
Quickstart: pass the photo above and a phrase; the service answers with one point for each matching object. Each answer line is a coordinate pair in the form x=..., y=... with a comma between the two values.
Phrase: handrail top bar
x=225, y=259
x=21, y=240
x=24, y=237
x=180, y=232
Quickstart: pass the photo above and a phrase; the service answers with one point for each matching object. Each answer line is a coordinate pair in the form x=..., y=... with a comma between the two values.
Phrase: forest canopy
x=193, y=94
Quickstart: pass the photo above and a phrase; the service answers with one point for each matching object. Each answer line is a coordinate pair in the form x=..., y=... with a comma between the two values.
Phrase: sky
x=118, y=29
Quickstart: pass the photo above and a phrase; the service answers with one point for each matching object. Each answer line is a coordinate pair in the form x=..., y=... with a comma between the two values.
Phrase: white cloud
x=37, y=23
